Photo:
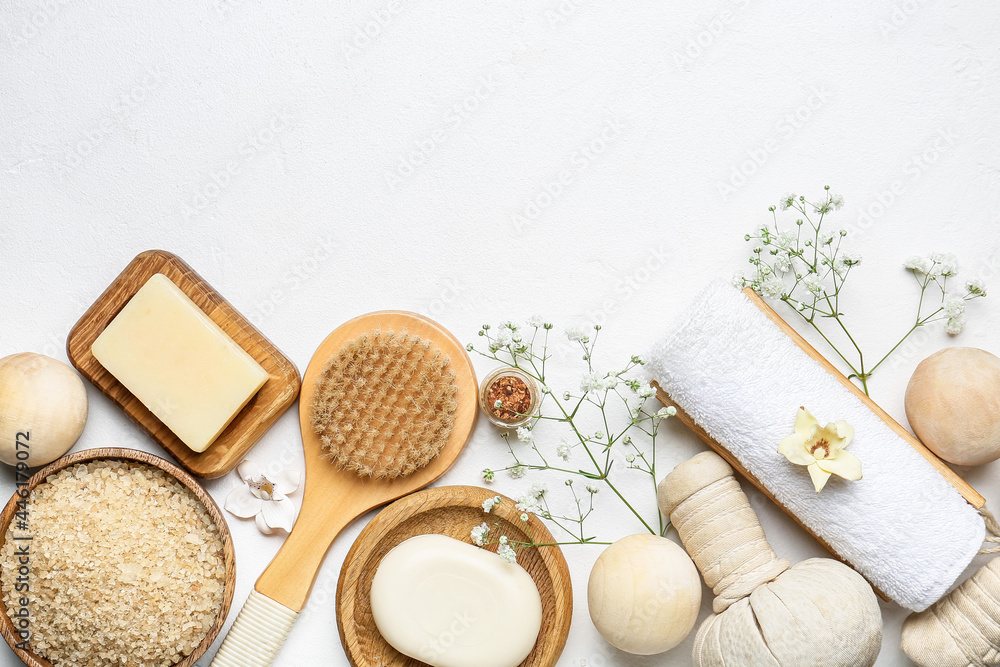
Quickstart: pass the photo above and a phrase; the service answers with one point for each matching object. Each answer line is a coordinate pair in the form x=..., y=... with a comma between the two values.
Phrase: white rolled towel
x=902, y=526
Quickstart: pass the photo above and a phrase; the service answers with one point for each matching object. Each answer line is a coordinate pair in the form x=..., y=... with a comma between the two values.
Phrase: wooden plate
x=7, y=628
x=270, y=402
x=451, y=511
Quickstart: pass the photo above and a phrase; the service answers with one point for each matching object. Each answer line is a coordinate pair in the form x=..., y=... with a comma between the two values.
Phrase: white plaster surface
x=315, y=161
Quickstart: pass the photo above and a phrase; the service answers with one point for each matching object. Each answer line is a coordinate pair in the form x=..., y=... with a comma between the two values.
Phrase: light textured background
x=315, y=161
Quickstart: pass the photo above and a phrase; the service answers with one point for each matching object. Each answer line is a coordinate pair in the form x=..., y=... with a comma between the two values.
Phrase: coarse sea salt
x=126, y=567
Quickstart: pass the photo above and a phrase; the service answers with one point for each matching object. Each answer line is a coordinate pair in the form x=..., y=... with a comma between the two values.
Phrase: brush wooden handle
x=290, y=576
x=257, y=635
x=718, y=528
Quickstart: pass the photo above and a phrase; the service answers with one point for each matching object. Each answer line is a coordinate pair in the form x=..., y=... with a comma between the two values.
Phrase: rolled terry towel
x=740, y=378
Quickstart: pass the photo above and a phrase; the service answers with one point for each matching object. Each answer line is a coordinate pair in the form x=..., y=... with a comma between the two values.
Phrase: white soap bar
x=179, y=363
x=451, y=604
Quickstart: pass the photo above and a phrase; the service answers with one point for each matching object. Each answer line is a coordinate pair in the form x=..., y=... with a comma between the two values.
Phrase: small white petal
x=279, y=514
x=248, y=469
x=240, y=502
x=287, y=481
x=262, y=525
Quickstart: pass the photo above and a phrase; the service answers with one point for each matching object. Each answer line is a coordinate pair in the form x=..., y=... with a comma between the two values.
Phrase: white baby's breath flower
x=507, y=553
x=813, y=283
x=782, y=262
x=772, y=287
x=787, y=201
x=562, y=451
x=536, y=321
x=517, y=472
x=918, y=263
x=524, y=517
x=668, y=411
x=954, y=325
x=578, y=334
x=488, y=475
x=538, y=490
x=590, y=382
x=630, y=458
x=976, y=287
x=524, y=435
x=826, y=238
x=489, y=504
x=837, y=201
x=851, y=258
x=479, y=534
x=608, y=382
x=505, y=338
x=955, y=307
x=593, y=488
x=947, y=263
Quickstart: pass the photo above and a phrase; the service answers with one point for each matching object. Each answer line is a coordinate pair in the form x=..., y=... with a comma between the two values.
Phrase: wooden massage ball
x=953, y=404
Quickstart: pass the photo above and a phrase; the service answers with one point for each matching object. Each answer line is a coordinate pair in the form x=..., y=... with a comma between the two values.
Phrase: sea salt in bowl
x=124, y=473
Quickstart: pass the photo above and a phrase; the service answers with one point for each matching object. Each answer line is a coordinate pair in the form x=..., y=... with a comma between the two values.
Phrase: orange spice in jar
x=509, y=397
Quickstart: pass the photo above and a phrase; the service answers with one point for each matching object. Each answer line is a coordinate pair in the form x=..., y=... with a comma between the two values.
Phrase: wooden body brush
x=388, y=401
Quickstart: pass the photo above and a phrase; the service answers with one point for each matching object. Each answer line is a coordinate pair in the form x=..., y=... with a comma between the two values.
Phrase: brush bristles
x=385, y=404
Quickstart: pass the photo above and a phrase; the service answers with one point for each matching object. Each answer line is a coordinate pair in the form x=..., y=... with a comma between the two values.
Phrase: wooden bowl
x=116, y=453
x=453, y=511
x=257, y=416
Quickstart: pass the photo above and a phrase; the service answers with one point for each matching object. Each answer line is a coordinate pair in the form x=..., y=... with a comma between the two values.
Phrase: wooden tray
x=7, y=628
x=270, y=402
x=451, y=511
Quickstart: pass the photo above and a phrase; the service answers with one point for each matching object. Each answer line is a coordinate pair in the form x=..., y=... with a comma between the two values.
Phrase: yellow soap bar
x=179, y=363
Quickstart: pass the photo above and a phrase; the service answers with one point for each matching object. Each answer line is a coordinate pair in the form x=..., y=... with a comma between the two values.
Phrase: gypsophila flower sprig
x=599, y=450
x=806, y=268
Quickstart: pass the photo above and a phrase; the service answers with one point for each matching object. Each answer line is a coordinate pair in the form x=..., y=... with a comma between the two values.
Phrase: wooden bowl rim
x=440, y=497
x=137, y=456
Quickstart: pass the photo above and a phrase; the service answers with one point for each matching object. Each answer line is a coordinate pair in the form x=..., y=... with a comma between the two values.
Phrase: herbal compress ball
x=818, y=612
x=644, y=594
x=953, y=404
x=43, y=409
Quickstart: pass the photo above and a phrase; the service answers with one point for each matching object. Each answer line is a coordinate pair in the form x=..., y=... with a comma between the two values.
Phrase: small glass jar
x=518, y=393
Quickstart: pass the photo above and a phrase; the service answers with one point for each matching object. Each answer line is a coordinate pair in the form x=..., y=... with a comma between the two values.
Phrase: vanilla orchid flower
x=821, y=450
x=264, y=499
